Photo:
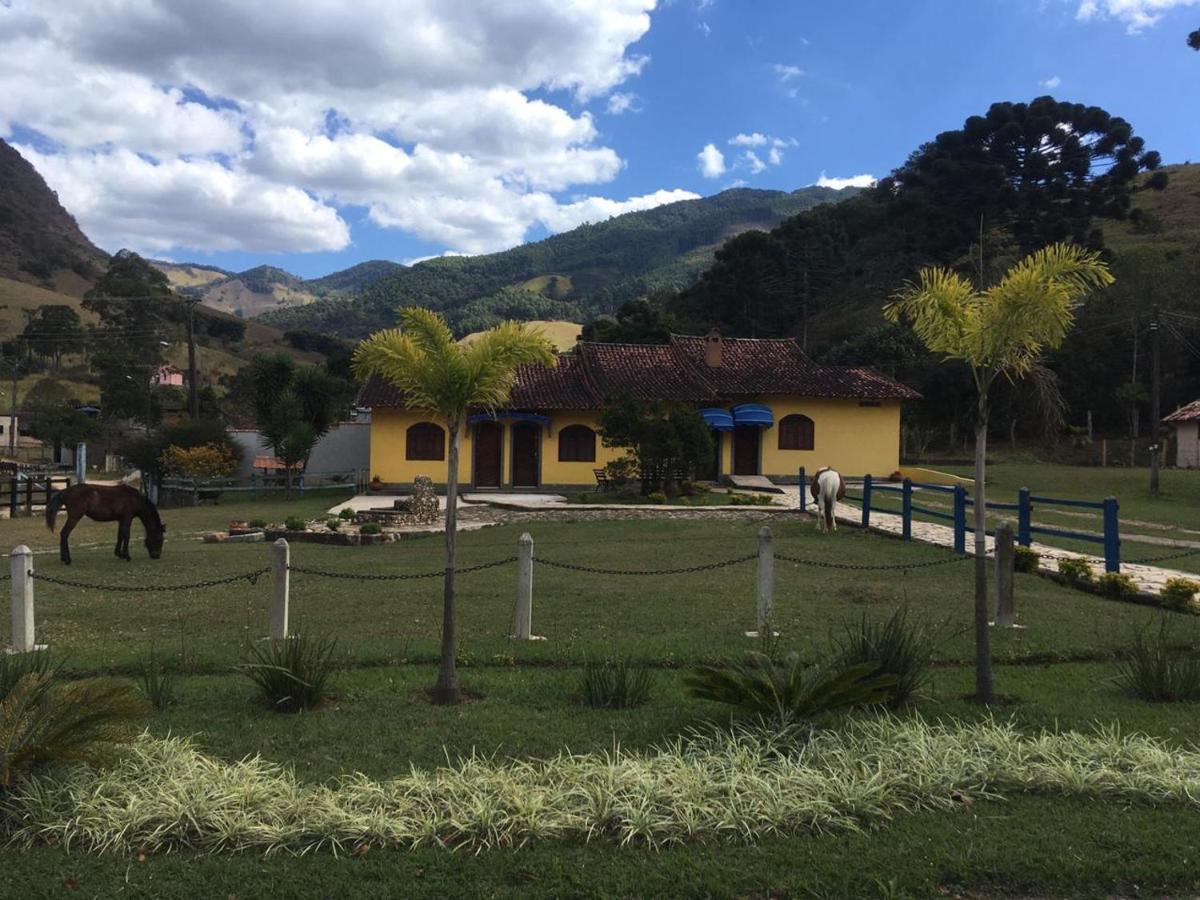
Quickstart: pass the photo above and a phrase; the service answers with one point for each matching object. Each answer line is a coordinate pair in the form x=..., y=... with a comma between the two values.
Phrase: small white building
x=1186, y=422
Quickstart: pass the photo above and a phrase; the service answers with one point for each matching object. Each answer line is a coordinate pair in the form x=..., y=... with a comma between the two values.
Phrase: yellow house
x=772, y=410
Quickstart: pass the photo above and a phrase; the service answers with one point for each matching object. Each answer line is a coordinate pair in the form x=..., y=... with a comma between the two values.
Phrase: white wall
x=1187, y=448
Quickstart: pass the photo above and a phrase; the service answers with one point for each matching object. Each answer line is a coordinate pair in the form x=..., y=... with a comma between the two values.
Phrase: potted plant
x=376, y=484
x=236, y=525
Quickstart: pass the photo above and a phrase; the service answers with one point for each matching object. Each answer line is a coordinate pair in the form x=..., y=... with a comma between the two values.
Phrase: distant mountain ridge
x=569, y=276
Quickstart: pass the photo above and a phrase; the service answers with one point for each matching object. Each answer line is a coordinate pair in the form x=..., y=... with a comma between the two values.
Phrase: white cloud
x=749, y=140
x=787, y=73
x=436, y=131
x=859, y=181
x=712, y=161
x=563, y=217
x=619, y=103
x=774, y=156
x=1136, y=14
x=1050, y=83
x=750, y=158
x=704, y=28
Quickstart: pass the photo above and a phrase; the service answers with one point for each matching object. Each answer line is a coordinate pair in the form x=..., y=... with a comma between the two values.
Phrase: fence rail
x=1110, y=538
x=19, y=493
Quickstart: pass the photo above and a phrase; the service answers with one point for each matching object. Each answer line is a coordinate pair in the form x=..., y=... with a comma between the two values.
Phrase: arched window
x=425, y=440
x=796, y=432
x=576, y=443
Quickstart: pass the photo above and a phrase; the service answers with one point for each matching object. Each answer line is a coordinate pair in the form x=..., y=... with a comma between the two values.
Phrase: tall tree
x=1193, y=39
x=999, y=332
x=53, y=330
x=293, y=406
x=447, y=379
x=1039, y=170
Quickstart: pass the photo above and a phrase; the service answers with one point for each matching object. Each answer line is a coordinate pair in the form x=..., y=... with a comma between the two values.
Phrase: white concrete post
x=280, y=558
x=1005, y=562
x=23, y=635
x=766, y=581
x=523, y=614
x=81, y=462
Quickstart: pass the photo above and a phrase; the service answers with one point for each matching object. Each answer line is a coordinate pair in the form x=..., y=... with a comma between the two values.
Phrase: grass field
x=1056, y=673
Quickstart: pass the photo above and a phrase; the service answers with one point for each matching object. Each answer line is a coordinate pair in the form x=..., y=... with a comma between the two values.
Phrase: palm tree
x=448, y=379
x=997, y=332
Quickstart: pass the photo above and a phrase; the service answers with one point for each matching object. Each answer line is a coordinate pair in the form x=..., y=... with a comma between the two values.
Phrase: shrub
x=622, y=471
x=1177, y=594
x=294, y=523
x=749, y=500
x=157, y=684
x=43, y=723
x=205, y=461
x=786, y=689
x=333, y=524
x=1118, y=585
x=371, y=528
x=894, y=646
x=1076, y=570
x=15, y=666
x=656, y=497
x=345, y=513
x=291, y=674
x=614, y=684
x=257, y=523
x=1156, y=670
x=1026, y=560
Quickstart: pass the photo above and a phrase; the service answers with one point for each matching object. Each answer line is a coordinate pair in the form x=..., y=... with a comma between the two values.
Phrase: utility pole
x=1155, y=390
x=193, y=397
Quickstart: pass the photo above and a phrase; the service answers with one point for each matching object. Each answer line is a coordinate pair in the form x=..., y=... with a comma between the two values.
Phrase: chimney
x=712, y=349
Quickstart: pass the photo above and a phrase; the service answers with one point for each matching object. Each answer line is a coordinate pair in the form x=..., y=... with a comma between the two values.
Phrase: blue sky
x=207, y=136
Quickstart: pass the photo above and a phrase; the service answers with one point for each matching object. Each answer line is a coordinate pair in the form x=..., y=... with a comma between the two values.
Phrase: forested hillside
x=575, y=275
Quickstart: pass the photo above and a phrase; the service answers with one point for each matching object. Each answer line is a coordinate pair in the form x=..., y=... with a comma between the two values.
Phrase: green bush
x=333, y=524
x=345, y=513
x=786, y=689
x=614, y=684
x=15, y=666
x=895, y=647
x=1178, y=593
x=43, y=723
x=157, y=684
x=1118, y=585
x=257, y=523
x=656, y=497
x=291, y=674
x=1076, y=570
x=370, y=528
x=294, y=523
x=1026, y=560
x=1156, y=670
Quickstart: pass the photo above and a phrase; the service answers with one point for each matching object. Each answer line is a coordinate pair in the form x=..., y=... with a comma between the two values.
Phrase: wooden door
x=526, y=447
x=745, y=449
x=488, y=450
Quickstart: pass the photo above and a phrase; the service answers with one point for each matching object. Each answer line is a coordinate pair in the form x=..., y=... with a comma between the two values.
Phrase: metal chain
x=251, y=577
x=591, y=570
x=368, y=576
x=857, y=567
x=1163, y=558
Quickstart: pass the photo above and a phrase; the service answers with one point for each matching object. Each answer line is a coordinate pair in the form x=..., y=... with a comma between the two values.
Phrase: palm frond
x=942, y=308
x=427, y=329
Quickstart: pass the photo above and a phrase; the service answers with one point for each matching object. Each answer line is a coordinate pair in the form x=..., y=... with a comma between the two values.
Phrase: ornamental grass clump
x=1026, y=560
x=1179, y=594
x=15, y=666
x=292, y=673
x=157, y=684
x=1157, y=669
x=739, y=785
x=614, y=684
x=786, y=690
x=1118, y=585
x=1076, y=570
x=895, y=646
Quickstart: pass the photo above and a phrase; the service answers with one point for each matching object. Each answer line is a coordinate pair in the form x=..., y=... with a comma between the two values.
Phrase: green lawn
x=379, y=722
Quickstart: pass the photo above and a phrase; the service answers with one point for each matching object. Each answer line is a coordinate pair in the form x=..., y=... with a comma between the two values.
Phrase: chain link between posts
x=592, y=570
x=372, y=576
x=252, y=577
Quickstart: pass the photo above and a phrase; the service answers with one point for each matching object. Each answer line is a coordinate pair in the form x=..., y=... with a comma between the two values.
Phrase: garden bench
x=602, y=481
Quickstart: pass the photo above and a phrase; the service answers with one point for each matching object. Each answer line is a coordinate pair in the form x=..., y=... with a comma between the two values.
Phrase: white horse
x=828, y=487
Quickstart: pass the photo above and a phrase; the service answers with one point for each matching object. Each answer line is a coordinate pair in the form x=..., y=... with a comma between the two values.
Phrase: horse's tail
x=53, y=506
x=828, y=503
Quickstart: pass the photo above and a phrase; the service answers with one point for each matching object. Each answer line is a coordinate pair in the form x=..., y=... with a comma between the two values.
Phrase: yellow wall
x=851, y=438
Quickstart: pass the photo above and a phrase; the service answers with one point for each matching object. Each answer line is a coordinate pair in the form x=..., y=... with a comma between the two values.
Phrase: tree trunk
x=446, y=691
x=287, y=480
x=984, y=688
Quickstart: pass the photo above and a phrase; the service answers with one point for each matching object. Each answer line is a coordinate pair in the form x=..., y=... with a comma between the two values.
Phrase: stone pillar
x=280, y=578
x=766, y=582
x=1005, y=560
x=23, y=632
x=523, y=613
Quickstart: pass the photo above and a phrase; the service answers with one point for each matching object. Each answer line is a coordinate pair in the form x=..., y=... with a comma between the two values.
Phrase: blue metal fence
x=1110, y=539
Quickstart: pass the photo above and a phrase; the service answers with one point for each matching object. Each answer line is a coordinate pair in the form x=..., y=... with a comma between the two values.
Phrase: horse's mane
x=152, y=512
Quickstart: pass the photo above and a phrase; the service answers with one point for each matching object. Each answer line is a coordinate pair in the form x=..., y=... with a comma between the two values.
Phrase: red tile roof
x=677, y=371
x=1189, y=413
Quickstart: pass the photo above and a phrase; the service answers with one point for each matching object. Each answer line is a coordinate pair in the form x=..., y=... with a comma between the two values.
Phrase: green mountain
x=353, y=279
x=589, y=270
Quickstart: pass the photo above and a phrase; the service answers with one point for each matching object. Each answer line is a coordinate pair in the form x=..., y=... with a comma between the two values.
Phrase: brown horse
x=107, y=503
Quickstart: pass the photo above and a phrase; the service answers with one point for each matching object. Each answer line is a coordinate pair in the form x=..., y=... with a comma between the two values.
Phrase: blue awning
x=509, y=416
x=717, y=419
x=753, y=414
